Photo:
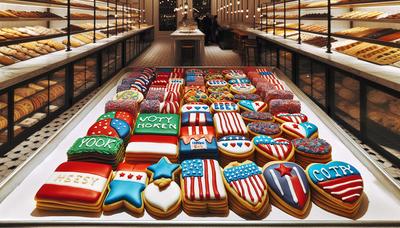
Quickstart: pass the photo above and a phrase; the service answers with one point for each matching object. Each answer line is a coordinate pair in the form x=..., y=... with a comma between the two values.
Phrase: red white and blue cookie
x=129, y=95
x=255, y=106
x=195, y=107
x=233, y=74
x=269, y=149
x=309, y=151
x=264, y=128
x=250, y=116
x=301, y=130
x=126, y=188
x=195, y=114
x=288, y=187
x=220, y=96
x=229, y=123
x=239, y=80
x=291, y=117
x=216, y=83
x=338, y=187
x=126, y=116
x=243, y=88
x=224, y=106
x=197, y=142
x=235, y=148
x=247, y=189
x=246, y=96
x=110, y=127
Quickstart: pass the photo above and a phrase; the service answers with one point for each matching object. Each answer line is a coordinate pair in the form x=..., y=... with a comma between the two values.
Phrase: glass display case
x=4, y=118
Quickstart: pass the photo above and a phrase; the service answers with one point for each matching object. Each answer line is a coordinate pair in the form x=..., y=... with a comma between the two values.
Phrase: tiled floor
x=157, y=55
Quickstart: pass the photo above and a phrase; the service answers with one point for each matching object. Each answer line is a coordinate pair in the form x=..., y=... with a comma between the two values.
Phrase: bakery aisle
x=159, y=54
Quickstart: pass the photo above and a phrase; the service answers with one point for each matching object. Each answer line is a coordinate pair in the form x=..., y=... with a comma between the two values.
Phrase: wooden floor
x=159, y=54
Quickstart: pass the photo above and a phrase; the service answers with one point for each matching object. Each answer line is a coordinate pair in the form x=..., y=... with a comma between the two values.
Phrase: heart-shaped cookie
x=235, y=144
x=301, y=130
x=291, y=117
x=249, y=105
x=336, y=179
x=274, y=149
x=163, y=198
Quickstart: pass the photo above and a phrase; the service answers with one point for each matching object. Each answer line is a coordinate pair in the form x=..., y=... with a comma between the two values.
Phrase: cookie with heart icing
x=250, y=116
x=288, y=187
x=224, y=106
x=269, y=149
x=264, y=128
x=338, y=187
x=309, y=151
x=235, y=148
x=301, y=130
x=195, y=96
x=255, y=106
x=291, y=117
x=162, y=196
x=243, y=88
x=247, y=189
x=195, y=107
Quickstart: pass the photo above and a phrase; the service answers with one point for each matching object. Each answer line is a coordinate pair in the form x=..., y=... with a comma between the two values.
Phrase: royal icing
x=197, y=118
x=301, y=130
x=125, y=116
x=163, y=198
x=235, y=144
x=239, y=80
x=153, y=144
x=217, y=82
x=247, y=182
x=289, y=182
x=159, y=124
x=264, y=128
x=163, y=169
x=233, y=74
x=229, y=123
x=96, y=144
x=224, y=106
x=247, y=96
x=110, y=127
x=279, y=148
x=312, y=146
x=339, y=179
x=255, y=106
x=292, y=117
x=261, y=116
x=202, y=180
x=197, y=107
x=243, y=88
x=129, y=95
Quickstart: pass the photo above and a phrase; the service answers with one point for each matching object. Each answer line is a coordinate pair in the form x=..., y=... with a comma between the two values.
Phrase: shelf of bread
x=361, y=16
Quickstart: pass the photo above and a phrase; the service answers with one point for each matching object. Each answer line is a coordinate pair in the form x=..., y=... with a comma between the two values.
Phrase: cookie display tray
x=18, y=190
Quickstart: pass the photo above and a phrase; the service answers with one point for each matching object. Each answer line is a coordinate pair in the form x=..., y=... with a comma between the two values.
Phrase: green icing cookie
x=105, y=145
x=107, y=115
x=157, y=124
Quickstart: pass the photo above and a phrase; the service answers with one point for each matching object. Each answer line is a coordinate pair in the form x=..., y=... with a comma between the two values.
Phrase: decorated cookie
x=203, y=189
x=97, y=148
x=243, y=88
x=338, y=187
x=129, y=95
x=235, y=148
x=224, y=106
x=110, y=127
x=160, y=124
x=215, y=89
x=220, y=96
x=126, y=188
x=171, y=96
x=75, y=186
x=125, y=105
x=195, y=88
x=284, y=106
x=264, y=128
x=149, y=148
x=197, y=118
x=247, y=189
x=246, y=96
x=233, y=74
x=126, y=116
x=255, y=106
x=239, y=81
x=291, y=117
x=195, y=107
x=197, y=142
x=269, y=149
x=288, y=186
x=249, y=116
x=170, y=107
x=162, y=196
x=229, y=123
x=312, y=151
x=195, y=96
x=213, y=76
x=217, y=83
x=301, y=130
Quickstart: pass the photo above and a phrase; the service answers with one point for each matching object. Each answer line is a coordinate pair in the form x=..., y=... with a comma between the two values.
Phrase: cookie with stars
x=162, y=196
x=247, y=190
x=126, y=188
x=299, y=130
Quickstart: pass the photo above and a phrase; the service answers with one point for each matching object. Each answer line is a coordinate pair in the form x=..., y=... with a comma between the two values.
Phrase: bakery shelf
x=341, y=19
x=368, y=40
x=56, y=19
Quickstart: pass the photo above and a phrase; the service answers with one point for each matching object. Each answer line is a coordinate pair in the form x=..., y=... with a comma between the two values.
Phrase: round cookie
x=224, y=106
x=243, y=88
x=216, y=89
x=269, y=149
x=264, y=128
x=129, y=95
x=250, y=116
x=212, y=76
x=220, y=96
x=195, y=96
x=216, y=83
x=235, y=148
x=233, y=74
x=239, y=80
x=308, y=151
x=246, y=96
x=301, y=130
x=255, y=106
x=291, y=117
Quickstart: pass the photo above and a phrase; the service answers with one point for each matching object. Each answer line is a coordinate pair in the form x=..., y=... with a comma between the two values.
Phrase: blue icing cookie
x=224, y=106
x=163, y=169
x=239, y=80
x=241, y=172
x=123, y=129
x=262, y=139
x=331, y=171
x=200, y=148
x=195, y=108
x=289, y=182
x=309, y=128
x=197, y=118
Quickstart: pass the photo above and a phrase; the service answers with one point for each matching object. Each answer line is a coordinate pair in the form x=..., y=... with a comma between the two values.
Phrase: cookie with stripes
x=270, y=149
x=291, y=117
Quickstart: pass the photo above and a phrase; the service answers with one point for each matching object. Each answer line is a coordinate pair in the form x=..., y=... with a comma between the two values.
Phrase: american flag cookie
x=290, y=117
x=247, y=190
x=255, y=106
x=162, y=196
x=75, y=186
x=269, y=149
x=288, y=187
x=126, y=188
x=337, y=187
x=224, y=106
x=229, y=123
x=298, y=131
x=203, y=189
